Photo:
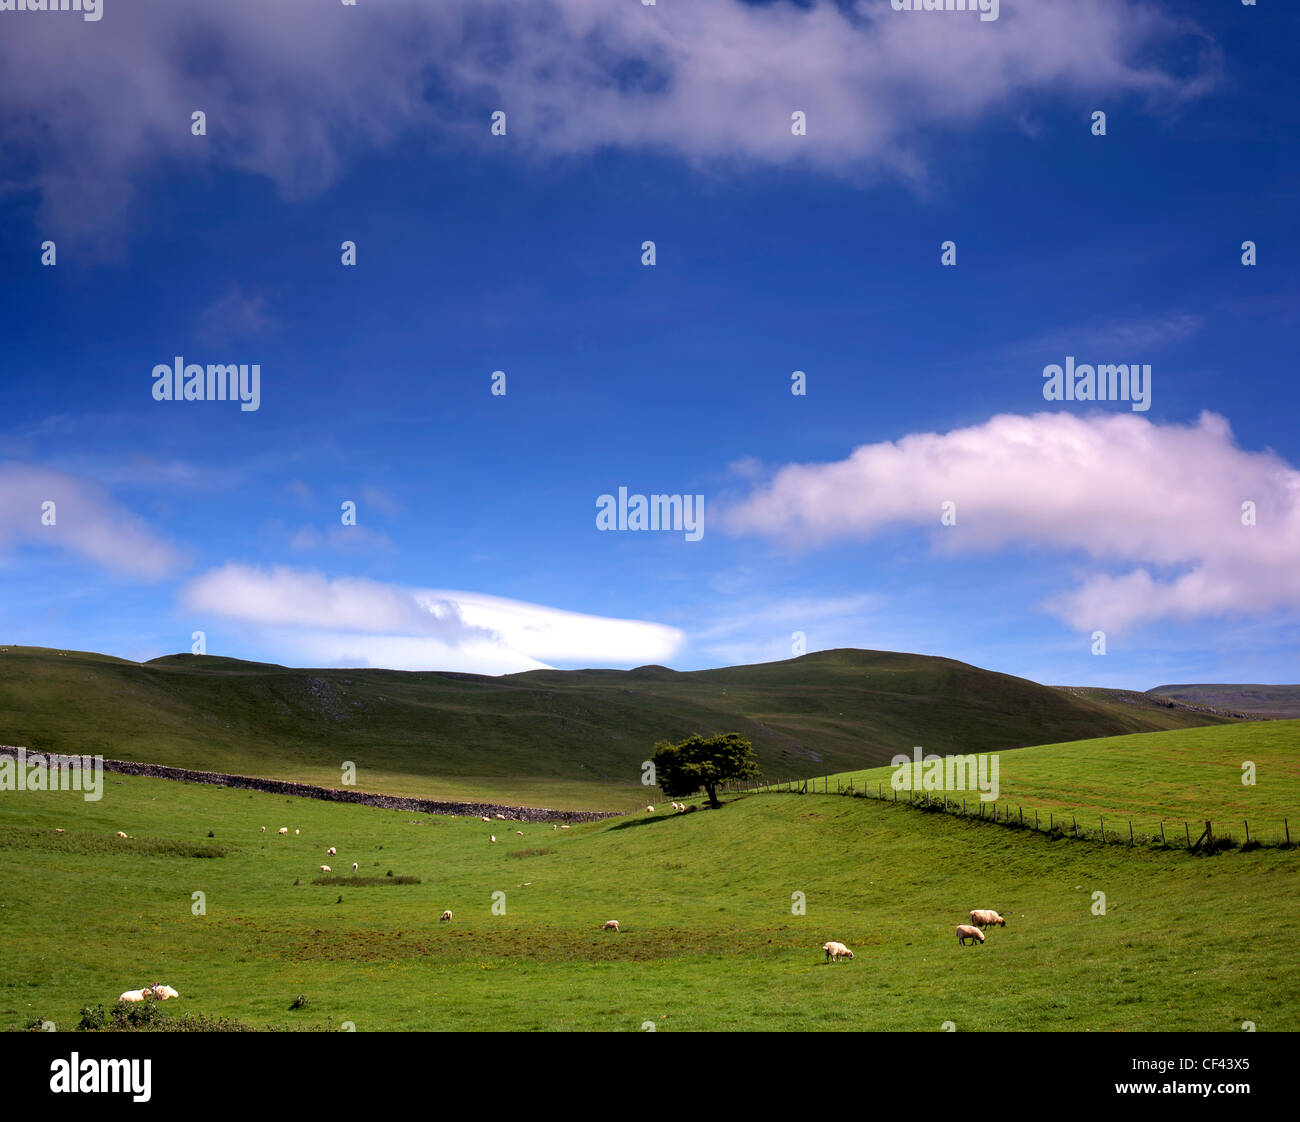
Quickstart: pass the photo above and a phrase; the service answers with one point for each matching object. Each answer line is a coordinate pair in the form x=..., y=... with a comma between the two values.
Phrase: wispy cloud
x=85, y=520
x=347, y=621
x=293, y=92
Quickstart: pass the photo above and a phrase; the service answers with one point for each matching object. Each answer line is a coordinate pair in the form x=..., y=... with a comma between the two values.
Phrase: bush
x=92, y=1020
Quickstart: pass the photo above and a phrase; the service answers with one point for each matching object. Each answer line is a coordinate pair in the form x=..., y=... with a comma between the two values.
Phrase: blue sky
x=476, y=545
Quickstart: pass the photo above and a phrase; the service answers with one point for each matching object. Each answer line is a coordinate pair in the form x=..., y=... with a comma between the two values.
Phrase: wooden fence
x=1203, y=837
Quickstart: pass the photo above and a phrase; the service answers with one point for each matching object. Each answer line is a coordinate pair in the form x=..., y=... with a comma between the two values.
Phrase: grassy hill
x=1268, y=701
x=573, y=739
x=709, y=938
x=1188, y=775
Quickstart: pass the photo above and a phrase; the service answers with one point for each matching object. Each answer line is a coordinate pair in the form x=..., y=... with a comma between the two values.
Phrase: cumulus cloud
x=1160, y=506
x=88, y=522
x=292, y=91
x=347, y=621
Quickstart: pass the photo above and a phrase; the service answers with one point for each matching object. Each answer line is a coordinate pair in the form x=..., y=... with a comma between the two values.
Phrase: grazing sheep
x=326, y=869
x=836, y=950
x=986, y=917
x=162, y=993
x=263, y=829
x=136, y=995
x=445, y=917
x=609, y=925
x=965, y=931
x=492, y=837
x=297, y=832
x=520, y=833
x=649, y=809
x=354, y=866
x=554, y=826
x=486, y=818
x=331, y=852
x=284, y=829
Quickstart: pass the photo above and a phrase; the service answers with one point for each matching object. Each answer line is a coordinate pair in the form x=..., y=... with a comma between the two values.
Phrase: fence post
x=1076, y=825
x=1286, y=826
x=1102, y=819
x=1035, y=820
x=1189, y=835
x=1130, y=832
x=1162, y=832
x=1248, y=831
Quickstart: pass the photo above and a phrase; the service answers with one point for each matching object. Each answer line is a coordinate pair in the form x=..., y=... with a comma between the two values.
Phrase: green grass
x=709, y=940
x=564, y=739
x=1190, y=775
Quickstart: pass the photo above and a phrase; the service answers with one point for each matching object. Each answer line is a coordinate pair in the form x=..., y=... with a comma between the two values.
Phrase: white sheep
x=263, y=829
x=297, y=832
x=120, y=834
x=284, y=829
x=331, y=852
x=486, y=818
x=354, y=866
x=136, y=995
x=835, y=950
x=520, y=833
x=649, y=809
x=564, y=827
x=162, y=993
x=502, y=817
x=492, y=837
x=445, y=917
x=326, y=869
x=609, y=925
x=986, y=917
x=965, y=931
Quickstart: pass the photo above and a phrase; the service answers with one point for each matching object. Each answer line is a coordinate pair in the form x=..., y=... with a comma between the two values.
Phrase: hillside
x=708, y=936
x=1267, y=701
x=1187, y=775
x=573, y=739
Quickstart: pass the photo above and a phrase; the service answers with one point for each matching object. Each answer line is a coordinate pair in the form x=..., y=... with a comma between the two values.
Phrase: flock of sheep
x=979, y=917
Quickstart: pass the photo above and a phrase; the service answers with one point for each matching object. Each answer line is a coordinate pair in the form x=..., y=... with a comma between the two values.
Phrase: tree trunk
x=711, y=791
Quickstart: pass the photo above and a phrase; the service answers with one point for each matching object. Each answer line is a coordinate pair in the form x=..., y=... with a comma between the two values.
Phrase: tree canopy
x=698, y=761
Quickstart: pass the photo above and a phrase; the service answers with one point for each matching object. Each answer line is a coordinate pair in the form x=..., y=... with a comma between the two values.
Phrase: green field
x=565, y=739
x=709, y=940
x=1187, y=776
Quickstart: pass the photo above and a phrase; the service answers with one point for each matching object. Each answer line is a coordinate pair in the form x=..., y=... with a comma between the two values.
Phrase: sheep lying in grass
x=162, y=993
x=986, y=917
x=326, y=869
x=283, y=830
x=609, y=925
x=120, y=834
x=445, y=917
x=836, y=950
x=965, y=931
x=486, y=818
x=137, y=995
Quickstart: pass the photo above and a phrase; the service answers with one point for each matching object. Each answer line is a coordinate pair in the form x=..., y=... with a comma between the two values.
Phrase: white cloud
x=346, y=621
x=293, y=91
x=1160, y=503
x=88, y=522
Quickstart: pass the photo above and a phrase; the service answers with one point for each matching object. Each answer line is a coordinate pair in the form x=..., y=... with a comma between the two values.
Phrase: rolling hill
x=573, y=739
x=1266, y=701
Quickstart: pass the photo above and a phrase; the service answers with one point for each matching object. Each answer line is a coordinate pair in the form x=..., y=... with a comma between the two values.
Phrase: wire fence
x=1201, y=836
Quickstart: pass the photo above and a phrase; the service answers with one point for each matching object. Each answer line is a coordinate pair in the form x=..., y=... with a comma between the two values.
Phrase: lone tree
x=696, y=762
